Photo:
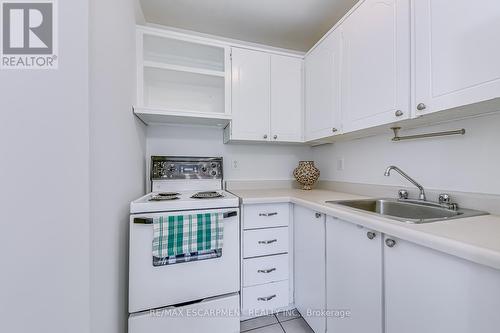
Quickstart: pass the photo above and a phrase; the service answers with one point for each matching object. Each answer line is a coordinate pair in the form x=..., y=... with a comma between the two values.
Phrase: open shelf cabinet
x=182, y=79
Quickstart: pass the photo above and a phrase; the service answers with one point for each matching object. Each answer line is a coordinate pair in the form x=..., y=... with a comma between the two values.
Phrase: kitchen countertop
x=476, y=239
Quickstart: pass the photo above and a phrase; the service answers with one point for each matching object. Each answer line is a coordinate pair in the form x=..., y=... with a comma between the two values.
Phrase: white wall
x=255, y=161
x=467, y=163
x=139, y=15
x=44, y=188
x=116, y=161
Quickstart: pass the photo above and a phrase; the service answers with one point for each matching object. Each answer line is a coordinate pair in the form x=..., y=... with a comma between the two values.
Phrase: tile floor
x=283, y=322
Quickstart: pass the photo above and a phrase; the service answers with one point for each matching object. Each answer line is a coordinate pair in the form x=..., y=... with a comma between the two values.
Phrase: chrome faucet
x=411, y=180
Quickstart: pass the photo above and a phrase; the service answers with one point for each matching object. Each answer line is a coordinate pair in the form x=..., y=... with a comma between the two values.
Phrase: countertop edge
x=473, y=253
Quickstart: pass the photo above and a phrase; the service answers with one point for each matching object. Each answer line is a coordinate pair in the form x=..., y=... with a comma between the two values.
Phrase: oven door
x=154, y=287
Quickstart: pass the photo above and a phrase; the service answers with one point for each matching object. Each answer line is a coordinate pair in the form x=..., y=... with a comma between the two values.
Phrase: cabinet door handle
x=334, y=130
x=390, y=242
x=266, y=271
x=267, y=298
x=421, y=107
x=371, y=235
x=268, y=241
x=275, y=137
x=318, y=215
x=265, y=136
x=399, y=113
x=268, y=214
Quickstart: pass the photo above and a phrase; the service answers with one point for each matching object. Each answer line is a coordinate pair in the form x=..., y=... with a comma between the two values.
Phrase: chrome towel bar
x=426, y=135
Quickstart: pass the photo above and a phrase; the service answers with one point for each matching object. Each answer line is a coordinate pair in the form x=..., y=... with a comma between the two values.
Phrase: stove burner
x=164, y=197
x=167, y=194
x=207, y=195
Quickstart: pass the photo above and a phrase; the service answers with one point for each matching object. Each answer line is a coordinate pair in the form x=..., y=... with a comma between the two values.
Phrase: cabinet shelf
x=152, y=116
x=187, y=69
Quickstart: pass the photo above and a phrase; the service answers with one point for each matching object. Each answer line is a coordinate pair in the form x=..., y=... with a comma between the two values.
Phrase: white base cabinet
x=354, y=278
x=349, y=279
x=310, y=278
x=266, y=259
x=432, y=292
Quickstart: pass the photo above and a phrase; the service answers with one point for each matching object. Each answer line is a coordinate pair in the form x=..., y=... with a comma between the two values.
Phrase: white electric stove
x=184, y=183
x=161, y=297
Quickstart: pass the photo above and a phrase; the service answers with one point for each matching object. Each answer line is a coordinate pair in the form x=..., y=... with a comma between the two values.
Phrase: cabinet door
x=353, y=277
x=457, y=53
x=376, y=64
x=432, y=292
x=309, y=266
x=322, y=89
x=286, y=99
x=250, y=95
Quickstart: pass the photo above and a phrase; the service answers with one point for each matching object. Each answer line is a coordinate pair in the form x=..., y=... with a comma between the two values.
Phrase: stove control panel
x=172, y=167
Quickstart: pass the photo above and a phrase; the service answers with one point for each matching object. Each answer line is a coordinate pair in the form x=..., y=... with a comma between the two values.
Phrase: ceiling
x=291, y=24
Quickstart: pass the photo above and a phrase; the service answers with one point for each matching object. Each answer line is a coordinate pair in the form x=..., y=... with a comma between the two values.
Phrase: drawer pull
x=266, y=271
x=268, y=241
x=268, y=214
x=266, y=299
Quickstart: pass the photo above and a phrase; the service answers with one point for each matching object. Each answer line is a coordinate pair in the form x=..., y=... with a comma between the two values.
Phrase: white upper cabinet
x=322, y=89
x=376, y=64
x=354, y=277
x=286, y=99
x=267, y=97
x=432, y=292
x=457, y=53
x=251, y=87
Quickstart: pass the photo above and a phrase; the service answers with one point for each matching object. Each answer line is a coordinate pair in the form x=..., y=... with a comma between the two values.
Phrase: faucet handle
x=444, y=198
x=403, y=194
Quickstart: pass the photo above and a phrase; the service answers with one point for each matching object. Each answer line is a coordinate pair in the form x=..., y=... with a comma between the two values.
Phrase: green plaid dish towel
x=184, y=234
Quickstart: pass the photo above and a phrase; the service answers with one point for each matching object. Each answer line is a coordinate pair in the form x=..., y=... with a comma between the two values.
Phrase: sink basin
x=408, y=211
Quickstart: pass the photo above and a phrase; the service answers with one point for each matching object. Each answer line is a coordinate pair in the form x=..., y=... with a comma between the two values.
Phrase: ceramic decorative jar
x=306, y=174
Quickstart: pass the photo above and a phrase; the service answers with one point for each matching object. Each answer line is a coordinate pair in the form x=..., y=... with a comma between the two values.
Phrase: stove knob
x=204, y=169
x=213, y=165
x=214, y=173
x=171, y=168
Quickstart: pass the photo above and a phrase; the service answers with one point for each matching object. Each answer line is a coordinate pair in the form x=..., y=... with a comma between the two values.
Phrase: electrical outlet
x=340, y=164
x=236, y=164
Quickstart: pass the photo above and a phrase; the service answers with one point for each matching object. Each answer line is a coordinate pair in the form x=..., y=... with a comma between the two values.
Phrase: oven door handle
x=148, y=220
x=143, y=220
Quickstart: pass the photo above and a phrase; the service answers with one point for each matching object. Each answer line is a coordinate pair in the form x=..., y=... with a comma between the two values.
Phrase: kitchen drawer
x=267, y=297
x=265, y=270
x=264, y=242
x=266, y=215
x=190, y=318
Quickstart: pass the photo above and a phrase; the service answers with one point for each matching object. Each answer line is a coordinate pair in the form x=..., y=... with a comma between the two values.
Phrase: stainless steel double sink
x=409, y=211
